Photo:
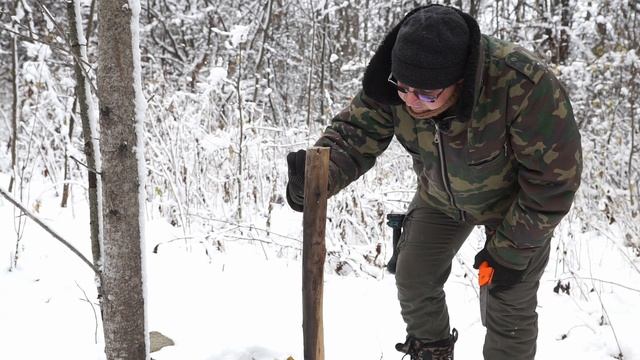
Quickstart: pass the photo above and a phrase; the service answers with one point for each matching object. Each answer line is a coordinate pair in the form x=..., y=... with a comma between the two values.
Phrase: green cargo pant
x=427, y=246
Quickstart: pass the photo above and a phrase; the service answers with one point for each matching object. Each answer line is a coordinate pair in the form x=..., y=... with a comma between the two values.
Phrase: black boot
x=434, y=350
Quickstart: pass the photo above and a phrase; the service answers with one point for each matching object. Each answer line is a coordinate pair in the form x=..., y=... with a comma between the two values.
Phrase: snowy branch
x=49, y=230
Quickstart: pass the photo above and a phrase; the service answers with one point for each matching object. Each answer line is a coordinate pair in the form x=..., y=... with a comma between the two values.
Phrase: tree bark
x=241, y=130
x=563, y=38
x=314, y=250
x=15, y=111
x=65, y=186
x=323, y=61
x=311, y=66
x=121, y=147
x=474, y=7
x=83, y=96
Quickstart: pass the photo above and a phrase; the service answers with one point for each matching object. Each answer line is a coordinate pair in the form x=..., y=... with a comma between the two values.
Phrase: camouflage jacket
x=509, y=157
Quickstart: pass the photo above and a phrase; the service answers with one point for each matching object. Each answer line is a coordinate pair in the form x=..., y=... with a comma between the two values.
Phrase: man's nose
x=411, y=98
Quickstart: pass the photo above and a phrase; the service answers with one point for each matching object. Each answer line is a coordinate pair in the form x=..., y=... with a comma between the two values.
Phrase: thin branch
x=49, y=230
x=604, y=309
x=66, y=40
x=27, y=37
x=55, y=23
x=95, y=316
x=85, y=165
x=173, y=52
x=250, y=227
x=174, y=45
x=595, y=279
x=5, y=120
x=613, y=240
x=262, y=241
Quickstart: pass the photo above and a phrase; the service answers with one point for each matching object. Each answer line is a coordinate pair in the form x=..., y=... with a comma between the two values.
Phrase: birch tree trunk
x=121, y=147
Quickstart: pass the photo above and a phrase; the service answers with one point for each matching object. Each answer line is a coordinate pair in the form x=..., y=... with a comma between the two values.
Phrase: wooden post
x=314, y=250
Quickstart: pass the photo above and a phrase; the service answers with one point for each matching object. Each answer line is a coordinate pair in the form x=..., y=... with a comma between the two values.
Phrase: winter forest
x=228, y=88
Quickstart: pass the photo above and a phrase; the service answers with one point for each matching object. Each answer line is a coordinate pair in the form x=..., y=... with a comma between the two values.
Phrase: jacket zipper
x=443, y=171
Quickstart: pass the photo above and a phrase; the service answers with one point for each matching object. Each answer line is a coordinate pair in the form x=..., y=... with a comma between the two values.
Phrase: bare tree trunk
x=632, y=147
x=367, y=15
x=121, y=147
x=241, y=139
x=14, y=109
x=65, y=178
x=90, y=26
x=563, y=41
x=83, y=96
x=15, y=117
x=65, y=187
x=311, y=63
x=265, y=28
x=314, y=250
x=325, y=31
x=474, y=7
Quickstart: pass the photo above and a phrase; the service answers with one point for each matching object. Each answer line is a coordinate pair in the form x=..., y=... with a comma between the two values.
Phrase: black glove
x=295, y=186
x=502, y=275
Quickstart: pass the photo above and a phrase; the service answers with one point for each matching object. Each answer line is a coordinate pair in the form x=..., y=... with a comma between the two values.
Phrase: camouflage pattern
x=514, y=166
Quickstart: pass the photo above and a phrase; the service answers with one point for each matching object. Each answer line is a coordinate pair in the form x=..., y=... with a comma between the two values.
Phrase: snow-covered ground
x=245, y=302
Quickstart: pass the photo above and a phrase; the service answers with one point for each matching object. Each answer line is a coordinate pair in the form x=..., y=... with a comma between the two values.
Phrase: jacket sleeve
x=356, y=136
x=546, y=144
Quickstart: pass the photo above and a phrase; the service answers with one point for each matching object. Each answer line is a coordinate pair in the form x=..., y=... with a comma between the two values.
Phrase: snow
x=213, y=142
x=245, y=302
x=237, y=35
x=141, y=105
x=215, y=80
x=216, y=75
x=35, y=72
x=241, y=299
x=631, y=58
x=37, y=50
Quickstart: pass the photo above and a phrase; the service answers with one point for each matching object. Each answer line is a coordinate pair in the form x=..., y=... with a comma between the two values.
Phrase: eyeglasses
x=424, y=95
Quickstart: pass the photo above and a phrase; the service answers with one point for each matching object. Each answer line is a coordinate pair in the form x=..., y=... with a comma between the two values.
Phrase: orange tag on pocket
x=485, y=274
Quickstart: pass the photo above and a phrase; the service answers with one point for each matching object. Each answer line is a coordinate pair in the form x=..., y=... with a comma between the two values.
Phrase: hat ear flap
x=467, y=97
x=374, y=83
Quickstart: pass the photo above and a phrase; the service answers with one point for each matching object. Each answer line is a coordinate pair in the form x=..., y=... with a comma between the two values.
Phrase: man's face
x=411, y=97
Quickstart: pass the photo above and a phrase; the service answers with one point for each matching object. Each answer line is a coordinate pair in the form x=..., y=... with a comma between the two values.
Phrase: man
x=493, y=141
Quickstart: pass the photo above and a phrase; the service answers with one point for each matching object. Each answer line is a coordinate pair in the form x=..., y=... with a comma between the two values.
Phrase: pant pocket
x=406, y=230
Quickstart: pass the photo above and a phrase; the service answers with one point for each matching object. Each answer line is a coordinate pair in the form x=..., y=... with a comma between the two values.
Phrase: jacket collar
x=376, y=86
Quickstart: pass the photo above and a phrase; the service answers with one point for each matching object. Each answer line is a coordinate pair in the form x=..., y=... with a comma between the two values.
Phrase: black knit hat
x=431, y=49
